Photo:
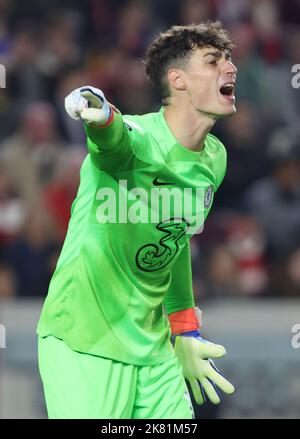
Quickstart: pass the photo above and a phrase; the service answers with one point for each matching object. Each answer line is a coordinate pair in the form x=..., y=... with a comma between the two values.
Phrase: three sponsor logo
x=173, y=211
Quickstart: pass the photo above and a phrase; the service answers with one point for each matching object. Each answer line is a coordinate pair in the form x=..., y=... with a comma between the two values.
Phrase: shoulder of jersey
x=139, y=122
x=216, y=143
x=148, y=125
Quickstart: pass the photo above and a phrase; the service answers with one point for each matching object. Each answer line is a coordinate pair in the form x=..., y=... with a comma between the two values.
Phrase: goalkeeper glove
x=195, y=356
x=89, y=104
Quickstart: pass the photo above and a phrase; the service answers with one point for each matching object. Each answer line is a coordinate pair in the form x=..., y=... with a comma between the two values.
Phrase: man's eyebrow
x=216, y=53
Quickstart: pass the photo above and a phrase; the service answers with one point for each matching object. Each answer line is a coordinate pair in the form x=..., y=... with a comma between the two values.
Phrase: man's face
x=210, y=77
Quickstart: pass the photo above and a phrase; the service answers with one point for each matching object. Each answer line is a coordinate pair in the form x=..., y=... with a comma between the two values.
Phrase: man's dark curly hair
x=174, y=47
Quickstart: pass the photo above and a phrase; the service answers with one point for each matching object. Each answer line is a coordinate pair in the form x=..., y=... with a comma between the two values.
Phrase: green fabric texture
x=109, y=390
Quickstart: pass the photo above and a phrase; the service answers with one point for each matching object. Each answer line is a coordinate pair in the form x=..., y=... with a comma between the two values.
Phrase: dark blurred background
x=249, y=252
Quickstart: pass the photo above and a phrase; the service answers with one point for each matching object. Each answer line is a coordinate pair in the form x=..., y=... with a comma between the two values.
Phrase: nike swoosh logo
x=161, y=183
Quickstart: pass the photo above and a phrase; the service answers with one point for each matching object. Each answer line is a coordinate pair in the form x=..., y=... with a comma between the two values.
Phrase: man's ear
x=177, y=79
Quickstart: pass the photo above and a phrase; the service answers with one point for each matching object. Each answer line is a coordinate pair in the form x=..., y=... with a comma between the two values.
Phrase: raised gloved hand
x=89, y=104
x=195, y=356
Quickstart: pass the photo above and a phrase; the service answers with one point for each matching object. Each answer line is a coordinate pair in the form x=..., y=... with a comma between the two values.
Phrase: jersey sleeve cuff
x=184, y=321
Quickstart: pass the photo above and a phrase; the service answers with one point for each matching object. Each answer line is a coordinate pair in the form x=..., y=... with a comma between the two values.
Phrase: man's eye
x=213, y=62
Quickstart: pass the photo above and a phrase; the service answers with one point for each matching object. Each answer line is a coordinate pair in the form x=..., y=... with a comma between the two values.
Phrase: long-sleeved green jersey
x=126, y=254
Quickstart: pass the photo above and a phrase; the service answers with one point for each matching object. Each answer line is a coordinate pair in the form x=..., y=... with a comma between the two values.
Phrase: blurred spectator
x=238, y=265
x=275, y=200
x=135, y=92
x=246, y=244
x=31, y=255
x=193, y=11
x=30, y=154
x=5, y=42
x=68, y=81
x=292, y=284
x=12, y=209
x=245, y=141
x=222, y=272
x=61, y=192
x=232, y=11
x=250, y=84
x=289, y=11
x=25, y=82
x=60, y=49
x=281, y=105
x=134, y=27
x=8, y=283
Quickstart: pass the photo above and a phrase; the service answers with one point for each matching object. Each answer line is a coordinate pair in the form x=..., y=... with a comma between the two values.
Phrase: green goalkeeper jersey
x=126, y=255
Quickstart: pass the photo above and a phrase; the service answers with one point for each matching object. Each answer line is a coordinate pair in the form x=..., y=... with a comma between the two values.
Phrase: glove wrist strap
x=107, y=123
x=195, y=334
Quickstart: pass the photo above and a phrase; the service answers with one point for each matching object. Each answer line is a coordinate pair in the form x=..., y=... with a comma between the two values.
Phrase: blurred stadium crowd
x=251, y=241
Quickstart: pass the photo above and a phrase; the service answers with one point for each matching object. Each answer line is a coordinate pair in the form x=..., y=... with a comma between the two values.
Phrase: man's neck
x=188, y=126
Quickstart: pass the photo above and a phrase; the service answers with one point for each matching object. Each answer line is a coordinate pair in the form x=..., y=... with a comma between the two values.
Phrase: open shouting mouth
x=227, y=91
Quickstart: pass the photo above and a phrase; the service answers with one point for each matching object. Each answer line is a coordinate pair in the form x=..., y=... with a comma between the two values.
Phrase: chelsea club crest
x=208, y=196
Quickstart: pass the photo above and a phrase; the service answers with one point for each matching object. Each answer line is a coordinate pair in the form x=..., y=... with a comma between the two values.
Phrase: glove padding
x=89, y=104
x=194, y=354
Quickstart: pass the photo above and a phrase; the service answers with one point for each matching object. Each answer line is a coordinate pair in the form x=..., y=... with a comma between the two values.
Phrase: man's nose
x=230, y=68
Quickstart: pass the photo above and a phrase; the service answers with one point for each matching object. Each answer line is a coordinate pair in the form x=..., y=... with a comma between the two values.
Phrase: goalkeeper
x=122, y=286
